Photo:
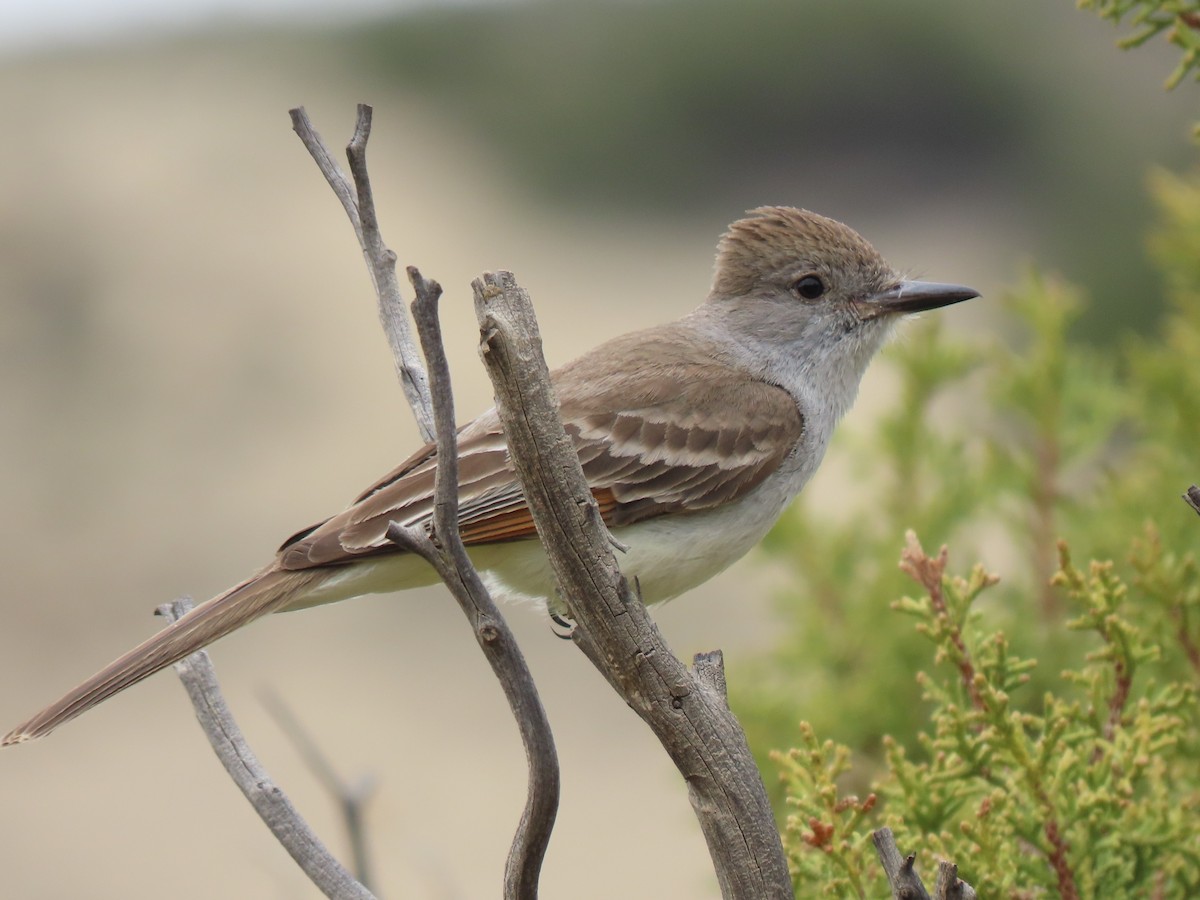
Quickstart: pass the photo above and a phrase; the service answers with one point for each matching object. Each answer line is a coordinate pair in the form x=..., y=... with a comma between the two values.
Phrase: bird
x=694, y=436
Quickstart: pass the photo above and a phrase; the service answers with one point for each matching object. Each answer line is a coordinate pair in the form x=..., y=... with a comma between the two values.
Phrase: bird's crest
x=774, y=240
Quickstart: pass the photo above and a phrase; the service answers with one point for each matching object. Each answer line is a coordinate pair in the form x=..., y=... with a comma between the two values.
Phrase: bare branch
x=449, y=557
x=434, y=411
x=689, y=717
x=359, y=205
x=949, y=886
x=1192, y=497
x=268, y=800
x=333, y=173
x=351, y=798
x=901, y=873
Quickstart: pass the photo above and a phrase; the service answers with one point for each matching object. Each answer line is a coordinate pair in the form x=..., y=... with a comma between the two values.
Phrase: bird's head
x=811, y=292
x=792, y=269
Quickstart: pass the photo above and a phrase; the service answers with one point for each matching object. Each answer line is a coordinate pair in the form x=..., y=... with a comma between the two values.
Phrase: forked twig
x=903, y=878
x=351, y=798
x=272, y=805
x=433, y=407
x=449, y=558
x=357, y=200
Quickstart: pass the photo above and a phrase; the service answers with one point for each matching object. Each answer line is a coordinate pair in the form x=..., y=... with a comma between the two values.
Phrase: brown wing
x=656, y=434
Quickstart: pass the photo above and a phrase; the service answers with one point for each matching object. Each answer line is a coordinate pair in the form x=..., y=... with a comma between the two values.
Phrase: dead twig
x=272, y=805
x=449, y=558
x=359, y=204
x=687, y=713
x=351, y=798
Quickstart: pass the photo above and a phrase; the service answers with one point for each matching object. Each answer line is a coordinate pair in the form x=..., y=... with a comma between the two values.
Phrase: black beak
x=914, y=296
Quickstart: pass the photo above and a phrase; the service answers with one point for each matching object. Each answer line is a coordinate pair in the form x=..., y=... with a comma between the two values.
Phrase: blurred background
x=191, y=368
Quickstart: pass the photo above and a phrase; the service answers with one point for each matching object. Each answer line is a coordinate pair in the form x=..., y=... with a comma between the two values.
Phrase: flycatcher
x=694, y=436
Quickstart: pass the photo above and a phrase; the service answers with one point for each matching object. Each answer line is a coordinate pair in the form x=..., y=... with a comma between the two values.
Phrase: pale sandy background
x=191, y=369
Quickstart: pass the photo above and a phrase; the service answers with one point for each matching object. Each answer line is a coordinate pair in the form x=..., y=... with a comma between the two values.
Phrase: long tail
x=266, y=592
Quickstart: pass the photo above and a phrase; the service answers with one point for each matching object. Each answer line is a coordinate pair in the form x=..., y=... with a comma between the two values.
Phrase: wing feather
x=665, y=436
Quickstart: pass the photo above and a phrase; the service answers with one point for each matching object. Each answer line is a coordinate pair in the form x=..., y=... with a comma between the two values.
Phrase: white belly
x=667, y=556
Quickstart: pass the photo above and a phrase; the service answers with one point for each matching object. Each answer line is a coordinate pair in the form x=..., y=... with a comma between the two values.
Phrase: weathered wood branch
x=900, y=870
x=949, y=886
x=272, y=805
x=444, y=550
x=350, y=797
x=434, y=412
x=687, y=712
x=433, y=408
x=359, y=203
x=903, y=878
x=1192, y=497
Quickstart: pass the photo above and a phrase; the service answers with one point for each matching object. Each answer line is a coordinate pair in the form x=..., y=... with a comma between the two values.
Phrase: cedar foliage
x=1040, y=729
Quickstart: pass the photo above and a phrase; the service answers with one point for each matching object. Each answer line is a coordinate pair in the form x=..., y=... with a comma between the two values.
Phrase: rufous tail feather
x=266, y=592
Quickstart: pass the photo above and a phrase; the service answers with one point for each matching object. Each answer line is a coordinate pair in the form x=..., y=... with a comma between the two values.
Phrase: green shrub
x=1077, y=775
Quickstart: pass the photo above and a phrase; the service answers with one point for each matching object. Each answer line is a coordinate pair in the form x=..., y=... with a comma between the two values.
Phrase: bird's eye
x=810, y=287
